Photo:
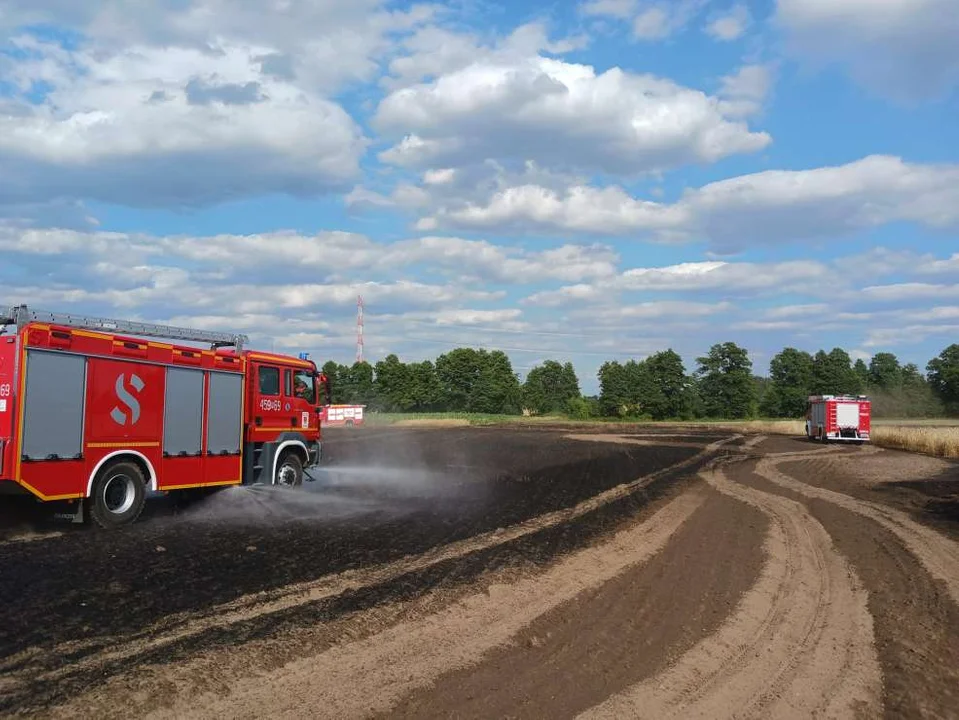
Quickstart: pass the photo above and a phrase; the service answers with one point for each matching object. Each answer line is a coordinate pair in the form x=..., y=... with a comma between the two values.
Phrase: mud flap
x=72, y=514
x=316, y=459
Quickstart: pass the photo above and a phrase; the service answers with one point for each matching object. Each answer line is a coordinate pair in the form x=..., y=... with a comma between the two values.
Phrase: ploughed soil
x=505, y=572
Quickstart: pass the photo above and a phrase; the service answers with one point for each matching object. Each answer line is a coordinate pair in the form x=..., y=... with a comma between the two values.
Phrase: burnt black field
x=381, y=495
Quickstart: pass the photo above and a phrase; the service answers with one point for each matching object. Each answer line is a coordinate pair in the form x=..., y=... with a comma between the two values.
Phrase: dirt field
x=506, y=572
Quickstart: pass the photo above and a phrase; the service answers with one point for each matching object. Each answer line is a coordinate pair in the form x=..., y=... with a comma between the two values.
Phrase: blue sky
x=576, y=181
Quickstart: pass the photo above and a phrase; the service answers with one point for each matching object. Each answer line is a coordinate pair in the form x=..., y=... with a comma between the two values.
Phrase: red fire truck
x=838, y=417
x=347, y=415
x=93, y=414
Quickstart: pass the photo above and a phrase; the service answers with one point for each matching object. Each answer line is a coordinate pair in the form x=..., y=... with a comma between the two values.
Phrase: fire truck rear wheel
x=289, y=471
x=119, y=493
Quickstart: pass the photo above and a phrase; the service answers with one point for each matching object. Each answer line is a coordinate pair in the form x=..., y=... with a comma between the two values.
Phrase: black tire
x=289, y=470
x=118, y=495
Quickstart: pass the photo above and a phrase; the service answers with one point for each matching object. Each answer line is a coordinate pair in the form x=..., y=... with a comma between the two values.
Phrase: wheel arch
x=297, y=446
x=139, y=458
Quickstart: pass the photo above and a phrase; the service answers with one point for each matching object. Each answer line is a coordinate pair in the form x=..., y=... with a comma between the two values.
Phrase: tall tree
x=458, y=372
x=791, y=375
x=862, y=372
x=884, y=371
x=478, y=381
x=912, y=377
x=668, y=382
x=498, y=390
x=833, y=374
x=333, y=372
x=426, y=391
x=643, y=393
x=360, y=385
x=613, y=389
x=392, y=383
x=726, y=382
x=550, y=387
x=943, y=373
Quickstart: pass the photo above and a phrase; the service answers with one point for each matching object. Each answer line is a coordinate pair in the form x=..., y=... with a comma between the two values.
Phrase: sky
x=573, y=181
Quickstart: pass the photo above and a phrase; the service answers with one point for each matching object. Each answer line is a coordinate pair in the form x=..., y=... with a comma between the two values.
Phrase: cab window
x=303, y=385
x=269, y=381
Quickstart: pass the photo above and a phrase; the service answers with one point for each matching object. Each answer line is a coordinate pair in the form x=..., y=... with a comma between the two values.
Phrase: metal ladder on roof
x=21, y=315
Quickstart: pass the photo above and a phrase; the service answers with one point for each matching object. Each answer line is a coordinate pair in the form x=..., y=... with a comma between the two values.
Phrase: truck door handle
x=258, y=420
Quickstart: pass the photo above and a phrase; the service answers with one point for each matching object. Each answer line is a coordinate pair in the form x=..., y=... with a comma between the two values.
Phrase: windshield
x=303, y=386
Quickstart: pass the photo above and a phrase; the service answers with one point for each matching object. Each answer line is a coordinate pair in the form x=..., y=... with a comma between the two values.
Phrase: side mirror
x=327, y=389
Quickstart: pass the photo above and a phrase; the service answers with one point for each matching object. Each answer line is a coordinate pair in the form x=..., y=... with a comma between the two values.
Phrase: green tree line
x=722, y=385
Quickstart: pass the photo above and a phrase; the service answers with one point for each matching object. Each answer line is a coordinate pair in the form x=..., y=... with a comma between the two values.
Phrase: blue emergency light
x=304, y=356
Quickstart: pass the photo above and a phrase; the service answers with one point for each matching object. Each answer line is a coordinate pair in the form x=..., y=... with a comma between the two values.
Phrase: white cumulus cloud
x=788, y=205
x=902, y=48
x=185, y=102
x=559, y=115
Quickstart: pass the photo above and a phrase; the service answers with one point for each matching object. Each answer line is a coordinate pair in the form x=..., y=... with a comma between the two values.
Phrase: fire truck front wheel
x=119, y=493
x=289, y=471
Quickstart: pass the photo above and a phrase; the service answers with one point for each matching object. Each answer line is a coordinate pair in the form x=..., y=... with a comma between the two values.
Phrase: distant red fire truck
x=838, y=417
x=348, y=415
x=90, y=413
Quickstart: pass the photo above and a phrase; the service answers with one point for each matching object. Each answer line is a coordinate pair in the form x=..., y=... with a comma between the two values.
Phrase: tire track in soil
x=371, y=675
x=926, y=496
x=799, y=644
x=608, y=638
x=937, y=553
x=634, y=440
x=29, y=664
x=916, y=622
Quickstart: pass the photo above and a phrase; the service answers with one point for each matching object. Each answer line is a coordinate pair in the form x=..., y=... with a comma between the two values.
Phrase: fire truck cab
x=844, y=418
x=92, y=414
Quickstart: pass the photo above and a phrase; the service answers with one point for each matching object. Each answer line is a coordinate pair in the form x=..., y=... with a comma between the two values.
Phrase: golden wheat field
x=930, y=437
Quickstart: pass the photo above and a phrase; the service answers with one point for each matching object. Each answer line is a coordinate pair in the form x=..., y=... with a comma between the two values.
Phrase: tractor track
x=371, y=675
x=777, y=655
x=937, y=553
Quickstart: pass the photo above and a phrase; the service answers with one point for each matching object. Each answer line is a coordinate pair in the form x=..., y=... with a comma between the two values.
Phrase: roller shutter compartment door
x=225, y=414
x=54, y=405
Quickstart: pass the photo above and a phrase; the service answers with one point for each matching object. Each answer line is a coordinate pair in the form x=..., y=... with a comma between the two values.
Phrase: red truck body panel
x=842, y=417
x=9, y=349
x=76, y=398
